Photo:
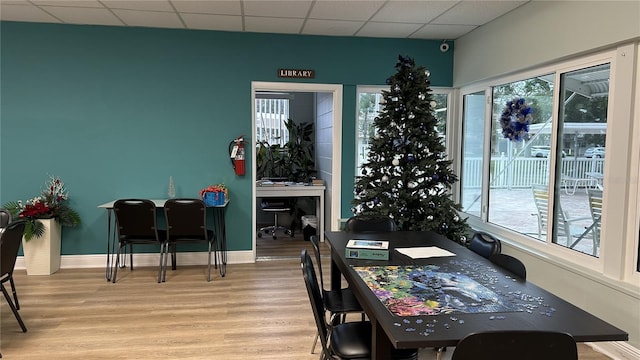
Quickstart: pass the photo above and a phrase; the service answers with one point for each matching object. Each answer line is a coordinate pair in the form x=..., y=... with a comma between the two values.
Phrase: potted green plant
x=294, y=160
x=300, y=151
x=44, y=215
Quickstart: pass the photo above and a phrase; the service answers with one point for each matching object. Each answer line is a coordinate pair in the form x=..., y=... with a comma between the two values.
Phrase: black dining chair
x=510, y=263
x=369, y=223
x=137, y=225
x=10, y=240
x=484, y=244
x=5, y=218
x=339, y=302
x=521, y=345
x=351, y=340
x=187, y=223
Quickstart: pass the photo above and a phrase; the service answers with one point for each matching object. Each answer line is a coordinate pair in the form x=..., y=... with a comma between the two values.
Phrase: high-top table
x=219, y=228
x=519, y=304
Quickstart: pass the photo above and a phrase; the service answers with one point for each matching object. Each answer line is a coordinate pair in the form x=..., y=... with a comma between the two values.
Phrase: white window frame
x=622, y=222
x=450, y=126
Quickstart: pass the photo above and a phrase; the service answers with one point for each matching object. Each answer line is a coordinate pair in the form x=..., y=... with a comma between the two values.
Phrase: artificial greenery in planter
x=51, y=204
x=294, y=160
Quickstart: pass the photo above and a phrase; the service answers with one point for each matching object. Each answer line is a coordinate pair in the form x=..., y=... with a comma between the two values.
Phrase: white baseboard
x=145, y=259
x=617, y=350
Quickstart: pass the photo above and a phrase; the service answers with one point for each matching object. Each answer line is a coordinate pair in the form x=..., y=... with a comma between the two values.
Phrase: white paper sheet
x=424, y=252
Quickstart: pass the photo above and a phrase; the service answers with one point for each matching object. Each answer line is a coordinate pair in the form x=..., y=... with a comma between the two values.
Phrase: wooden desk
x=315, y=191
x=219, y=228
x=535, y=308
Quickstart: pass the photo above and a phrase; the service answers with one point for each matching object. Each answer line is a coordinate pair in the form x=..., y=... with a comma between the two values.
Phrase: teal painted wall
x=115, y=111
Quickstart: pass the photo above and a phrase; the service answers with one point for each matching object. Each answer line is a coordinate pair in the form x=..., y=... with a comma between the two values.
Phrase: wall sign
x=296, y=73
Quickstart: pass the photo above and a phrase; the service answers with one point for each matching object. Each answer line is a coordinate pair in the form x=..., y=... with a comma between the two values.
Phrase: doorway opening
x=321, y=105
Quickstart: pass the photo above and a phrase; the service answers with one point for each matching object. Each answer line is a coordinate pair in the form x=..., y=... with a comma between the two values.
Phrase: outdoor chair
x=521, y=345
x=595, y=206
x=564, y=227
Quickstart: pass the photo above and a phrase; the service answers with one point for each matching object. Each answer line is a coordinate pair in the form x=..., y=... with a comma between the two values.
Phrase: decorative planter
x=42, y=254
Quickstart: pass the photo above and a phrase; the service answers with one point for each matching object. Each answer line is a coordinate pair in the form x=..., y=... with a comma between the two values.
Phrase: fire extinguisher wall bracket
x=236, y=154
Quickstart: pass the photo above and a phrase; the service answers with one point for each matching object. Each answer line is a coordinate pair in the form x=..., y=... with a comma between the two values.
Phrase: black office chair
x=485, y=244
x=10, y=240
x=510, y=263
x=275, y=206
x=187, y=223
x=362, y=223
x=338, y=303
x=136, y=224
x=351, y=340
x=521, y=345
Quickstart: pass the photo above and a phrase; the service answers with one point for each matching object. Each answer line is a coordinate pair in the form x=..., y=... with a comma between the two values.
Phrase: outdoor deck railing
x=523, y=172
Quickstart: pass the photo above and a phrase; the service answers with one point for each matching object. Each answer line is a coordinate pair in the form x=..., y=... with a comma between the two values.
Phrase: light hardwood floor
x=258, y=311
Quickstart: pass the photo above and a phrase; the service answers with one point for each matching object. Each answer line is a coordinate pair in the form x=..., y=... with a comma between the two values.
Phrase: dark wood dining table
x=521, y=304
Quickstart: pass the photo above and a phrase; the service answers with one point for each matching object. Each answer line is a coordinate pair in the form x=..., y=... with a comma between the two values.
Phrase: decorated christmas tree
x=407, y=175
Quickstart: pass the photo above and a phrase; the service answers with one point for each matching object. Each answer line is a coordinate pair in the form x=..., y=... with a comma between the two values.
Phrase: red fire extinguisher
x=236, y=152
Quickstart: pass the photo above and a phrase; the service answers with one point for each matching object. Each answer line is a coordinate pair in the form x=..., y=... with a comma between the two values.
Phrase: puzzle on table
x=426, y=290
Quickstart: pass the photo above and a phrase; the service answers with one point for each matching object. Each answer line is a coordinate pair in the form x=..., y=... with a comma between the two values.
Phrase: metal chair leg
x=13, y=308
x=15, y=295
x=115, y=267
x=161, y=265
x=209, y=263
x=315, y=342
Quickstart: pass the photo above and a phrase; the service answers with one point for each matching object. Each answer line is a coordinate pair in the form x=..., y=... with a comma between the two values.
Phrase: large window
x=370, y=101
x=518, y=166
x=272, y=110
x=546, y=182
x=472, y=150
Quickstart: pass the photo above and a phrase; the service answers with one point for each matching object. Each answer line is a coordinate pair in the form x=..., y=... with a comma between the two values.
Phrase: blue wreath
x=515, y=120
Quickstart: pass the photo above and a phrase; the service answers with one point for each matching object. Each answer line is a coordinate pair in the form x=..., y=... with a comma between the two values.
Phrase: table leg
x=108, y=266
x=221, y=234
x=380, y=344
x=336, y=276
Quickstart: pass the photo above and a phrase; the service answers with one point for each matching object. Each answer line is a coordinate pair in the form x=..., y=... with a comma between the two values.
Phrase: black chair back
x=186, y=223
x=521, y=345
x=484, y=244
x=315, y=296
x=136, y=223
x=361, y=224
x=136, y=218
x=10, y=242
x=316, y=250
x=186, y=218
x=5, y=218
x=510, y=263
